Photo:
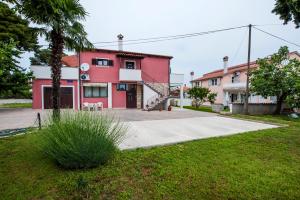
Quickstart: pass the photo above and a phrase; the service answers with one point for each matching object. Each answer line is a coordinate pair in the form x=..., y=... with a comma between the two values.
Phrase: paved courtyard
x=22, y=118
x=153, y=128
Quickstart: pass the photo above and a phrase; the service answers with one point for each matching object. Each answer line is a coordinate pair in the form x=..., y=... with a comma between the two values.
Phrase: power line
x=240, y=45
x=174, y=37
x=280, y=38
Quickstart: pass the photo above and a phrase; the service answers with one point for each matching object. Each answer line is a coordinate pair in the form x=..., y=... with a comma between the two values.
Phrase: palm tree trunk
x=57, y=44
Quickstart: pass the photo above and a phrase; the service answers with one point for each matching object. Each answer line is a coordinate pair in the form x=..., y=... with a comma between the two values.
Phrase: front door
x=131, y=96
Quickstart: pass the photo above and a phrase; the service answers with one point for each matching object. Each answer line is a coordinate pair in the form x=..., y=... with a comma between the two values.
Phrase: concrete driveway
x=153, y=128
x=161, y=132
x=23, y=118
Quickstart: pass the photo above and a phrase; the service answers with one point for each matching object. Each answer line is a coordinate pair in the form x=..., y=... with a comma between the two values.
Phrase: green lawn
x=257, y=165
x=16, y=105
x=201, y=108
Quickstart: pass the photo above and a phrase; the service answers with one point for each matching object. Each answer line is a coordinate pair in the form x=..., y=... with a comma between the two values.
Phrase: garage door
x=66, y=97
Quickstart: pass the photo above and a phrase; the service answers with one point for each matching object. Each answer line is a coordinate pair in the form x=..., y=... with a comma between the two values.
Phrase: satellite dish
x=84, y=67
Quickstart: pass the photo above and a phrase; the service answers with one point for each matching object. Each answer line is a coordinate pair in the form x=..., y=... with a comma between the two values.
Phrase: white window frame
x=42, y=92
x=129, y=61
x=214, y=80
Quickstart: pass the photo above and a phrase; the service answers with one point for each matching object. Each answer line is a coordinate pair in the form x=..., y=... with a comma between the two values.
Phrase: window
x=235, y=77
x=92, y=91
x=102, y=62
x=130, y=64
x=121, y=87
x=214, y=81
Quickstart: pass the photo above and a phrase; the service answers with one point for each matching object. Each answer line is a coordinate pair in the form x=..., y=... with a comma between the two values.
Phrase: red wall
x=37, y=92
x=153, y=68
x=118, y=97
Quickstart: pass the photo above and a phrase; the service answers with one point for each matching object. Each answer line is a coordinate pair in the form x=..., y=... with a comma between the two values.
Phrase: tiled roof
x=220, y=72
x=132, y=53
x=70, y=61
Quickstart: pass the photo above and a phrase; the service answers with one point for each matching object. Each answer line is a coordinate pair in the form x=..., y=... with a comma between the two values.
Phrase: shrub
x=82, y=139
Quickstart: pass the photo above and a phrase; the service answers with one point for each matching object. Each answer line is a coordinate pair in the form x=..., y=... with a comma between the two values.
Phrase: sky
x=143, y=19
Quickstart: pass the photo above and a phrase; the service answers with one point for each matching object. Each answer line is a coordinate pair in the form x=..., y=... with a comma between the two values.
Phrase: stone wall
x=163, y=88
x=139, y=96
x=253, y=108
x=217, y=107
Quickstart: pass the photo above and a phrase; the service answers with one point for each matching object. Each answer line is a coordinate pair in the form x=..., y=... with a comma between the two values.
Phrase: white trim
x=94, y=84
x=109, y=95
x=72, y=86
x=78, y=92
x=130, y=61
x=44, y=72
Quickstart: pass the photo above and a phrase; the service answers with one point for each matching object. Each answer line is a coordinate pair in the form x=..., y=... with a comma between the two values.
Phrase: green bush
x=82, y=139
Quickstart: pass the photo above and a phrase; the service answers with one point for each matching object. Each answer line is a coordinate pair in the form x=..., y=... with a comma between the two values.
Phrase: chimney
x=192, y=75
x=120, y=42
x=225, y=60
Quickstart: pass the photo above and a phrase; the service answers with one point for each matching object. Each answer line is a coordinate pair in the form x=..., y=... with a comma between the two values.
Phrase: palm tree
x=61, y=26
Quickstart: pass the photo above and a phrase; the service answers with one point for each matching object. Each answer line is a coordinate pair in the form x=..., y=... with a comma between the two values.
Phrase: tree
x=14, y=80
x=199, y=94
x=13, y=26
x=288, y=10
x=211, y=97
x=41, y=57
x=62, y=29
x=277, y=75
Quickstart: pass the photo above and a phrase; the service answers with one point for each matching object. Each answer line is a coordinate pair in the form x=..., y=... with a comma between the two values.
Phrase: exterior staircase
x=157, y=101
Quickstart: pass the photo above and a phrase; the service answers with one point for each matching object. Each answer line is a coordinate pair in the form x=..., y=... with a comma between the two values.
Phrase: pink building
x=230, y=83
x=118, y=79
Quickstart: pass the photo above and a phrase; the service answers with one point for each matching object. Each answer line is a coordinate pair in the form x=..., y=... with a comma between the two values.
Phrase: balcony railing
x=235, y=86
x=130, y=74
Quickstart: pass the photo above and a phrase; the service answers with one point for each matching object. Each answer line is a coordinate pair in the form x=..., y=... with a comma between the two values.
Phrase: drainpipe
x=79, y=83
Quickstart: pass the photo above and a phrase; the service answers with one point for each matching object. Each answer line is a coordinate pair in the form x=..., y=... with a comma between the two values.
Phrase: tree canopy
x=277, y=75
x=14, y=80
x=13, y=26
x=199, y=94
x=42, y=57
x=288, y=10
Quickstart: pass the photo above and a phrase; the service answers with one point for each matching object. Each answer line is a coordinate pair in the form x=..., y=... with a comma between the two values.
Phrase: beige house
x=230, y=83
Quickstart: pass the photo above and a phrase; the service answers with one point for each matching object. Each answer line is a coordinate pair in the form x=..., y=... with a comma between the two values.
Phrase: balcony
x=130, y=74
x=241, y=86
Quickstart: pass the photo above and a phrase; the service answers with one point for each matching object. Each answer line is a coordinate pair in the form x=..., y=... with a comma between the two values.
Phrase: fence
x=253, y=108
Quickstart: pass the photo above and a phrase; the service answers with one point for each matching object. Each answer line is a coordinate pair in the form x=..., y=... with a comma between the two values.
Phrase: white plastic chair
x=86, y=106
x=99, y=105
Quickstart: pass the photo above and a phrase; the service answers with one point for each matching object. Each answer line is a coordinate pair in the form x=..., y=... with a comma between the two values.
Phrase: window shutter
x=219, y=81
x=94, y=61
x=111, y=63
x=209, y=82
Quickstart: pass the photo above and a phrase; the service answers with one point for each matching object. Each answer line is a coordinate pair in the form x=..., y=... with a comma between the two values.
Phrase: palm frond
x=76, y=38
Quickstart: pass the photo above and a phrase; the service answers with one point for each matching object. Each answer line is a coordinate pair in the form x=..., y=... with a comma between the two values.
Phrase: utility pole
x=248, y=73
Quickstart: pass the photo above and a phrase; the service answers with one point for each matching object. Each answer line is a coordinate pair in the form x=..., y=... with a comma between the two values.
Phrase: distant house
x=230, y=83
x=175, y=92
x=117, y=78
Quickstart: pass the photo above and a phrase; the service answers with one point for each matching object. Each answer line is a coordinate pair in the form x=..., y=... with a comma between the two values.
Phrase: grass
x=201, y=108
x=255, y=165
x=16, y=105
